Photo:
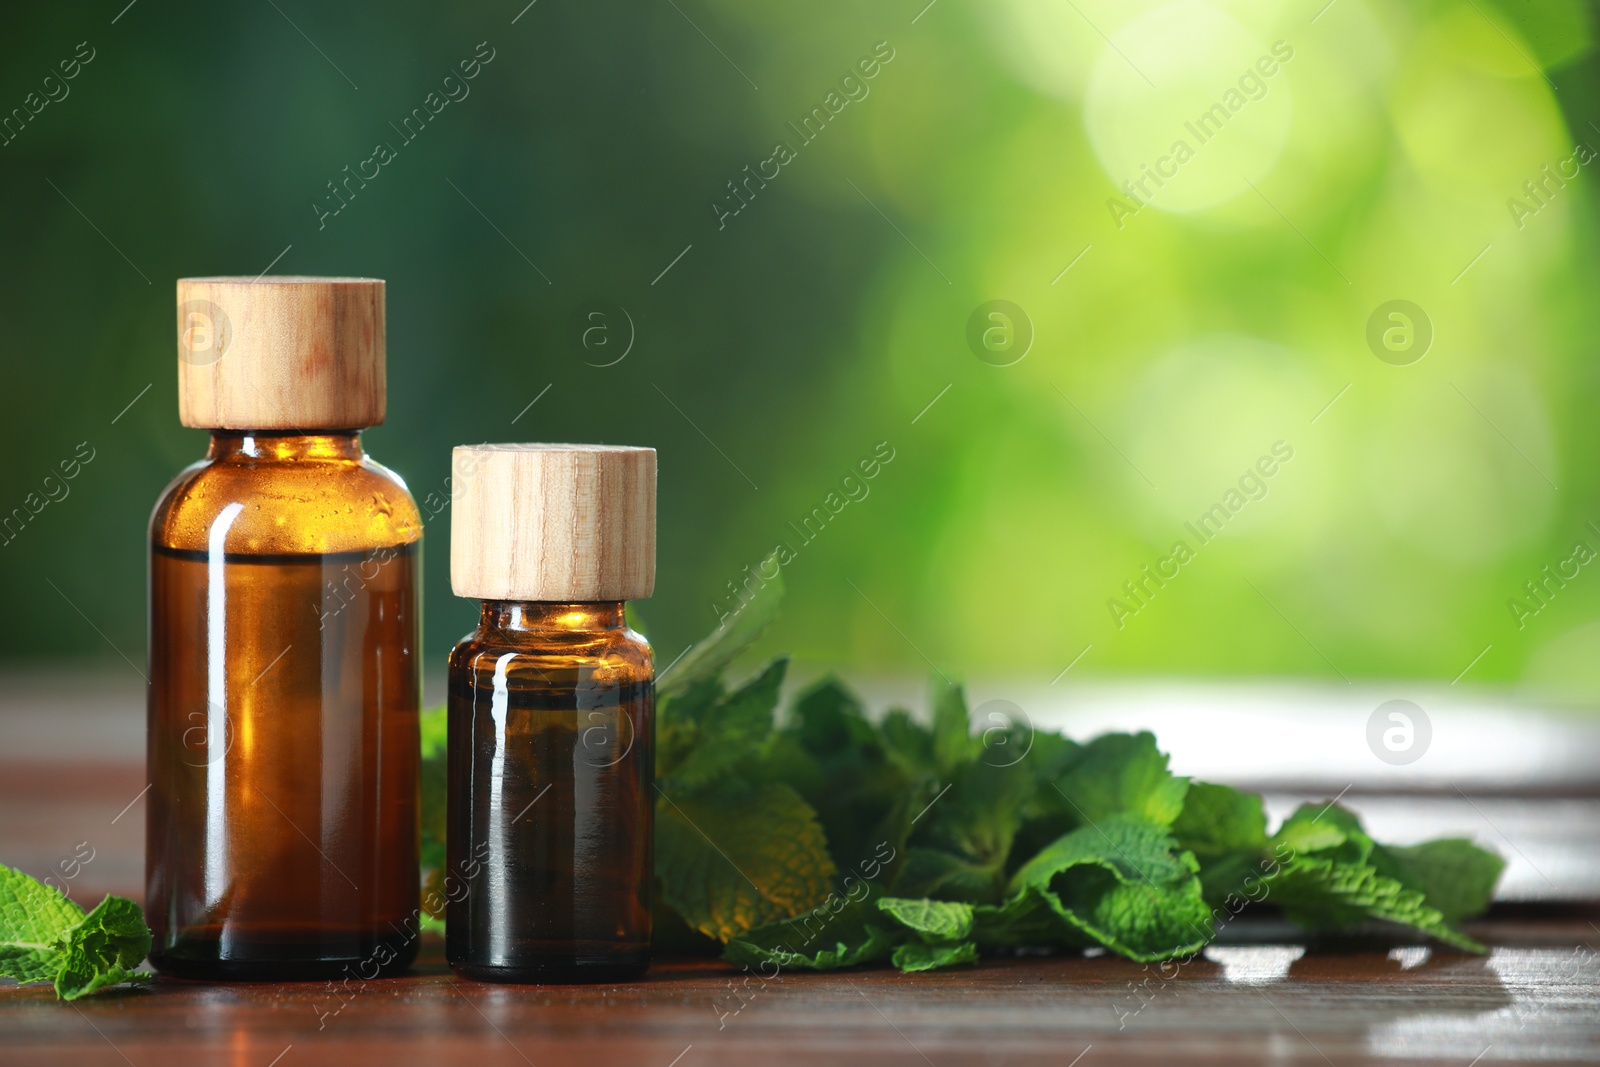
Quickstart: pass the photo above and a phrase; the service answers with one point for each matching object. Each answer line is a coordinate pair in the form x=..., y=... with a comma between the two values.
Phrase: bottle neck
x=269, y=445
x=540, y=619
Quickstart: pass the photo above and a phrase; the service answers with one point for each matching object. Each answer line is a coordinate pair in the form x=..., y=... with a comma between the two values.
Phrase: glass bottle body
x=551, y=830
x=282, y=828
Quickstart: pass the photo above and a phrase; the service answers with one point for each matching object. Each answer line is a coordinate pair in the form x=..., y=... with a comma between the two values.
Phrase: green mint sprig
x=830, y=839
x=44, y=936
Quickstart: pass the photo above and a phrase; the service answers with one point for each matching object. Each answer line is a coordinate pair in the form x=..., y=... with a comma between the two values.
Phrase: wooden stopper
x=553, y=522
x=280, y=353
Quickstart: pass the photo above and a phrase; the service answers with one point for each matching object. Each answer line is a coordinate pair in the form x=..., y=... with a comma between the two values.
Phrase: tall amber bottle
x=282, y=831
x=551, y=727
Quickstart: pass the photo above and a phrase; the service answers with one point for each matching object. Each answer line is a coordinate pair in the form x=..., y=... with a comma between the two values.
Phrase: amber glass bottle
x=551, y=729
x=282, y=833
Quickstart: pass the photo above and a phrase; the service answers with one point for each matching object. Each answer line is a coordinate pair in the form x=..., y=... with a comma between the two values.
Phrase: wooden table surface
x=1532, y=999
x=71, y=778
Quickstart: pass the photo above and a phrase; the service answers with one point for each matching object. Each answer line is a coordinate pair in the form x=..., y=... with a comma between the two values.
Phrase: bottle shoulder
x=310, y=506
x=611, y=657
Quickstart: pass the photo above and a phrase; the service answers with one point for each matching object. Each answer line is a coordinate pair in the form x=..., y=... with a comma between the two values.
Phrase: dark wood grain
x=1240, y=1004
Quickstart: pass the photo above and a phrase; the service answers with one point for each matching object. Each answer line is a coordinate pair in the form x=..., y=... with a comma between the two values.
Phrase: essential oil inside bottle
x=276, y=868
x=551, y=718
x=550, y=764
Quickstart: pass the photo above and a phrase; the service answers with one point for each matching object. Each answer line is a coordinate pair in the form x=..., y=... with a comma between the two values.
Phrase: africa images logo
x=204, y=333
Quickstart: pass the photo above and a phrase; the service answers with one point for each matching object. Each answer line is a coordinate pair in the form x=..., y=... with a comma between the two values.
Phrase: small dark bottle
x=551, y=722
x=282, y=830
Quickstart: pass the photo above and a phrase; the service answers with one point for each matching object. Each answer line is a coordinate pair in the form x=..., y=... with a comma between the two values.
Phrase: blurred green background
x=1170, y=334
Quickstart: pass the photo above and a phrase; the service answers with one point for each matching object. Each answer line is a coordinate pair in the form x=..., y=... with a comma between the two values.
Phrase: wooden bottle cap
x=553, y=522
x=275, y=353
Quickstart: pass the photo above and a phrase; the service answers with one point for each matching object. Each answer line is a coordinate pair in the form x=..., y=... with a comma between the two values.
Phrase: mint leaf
x=735, y=857
x=103, y=949
x=1455, y=875
x=737, y=632
x=728, y=732
x=1324, y=828
x=75, y=983
x=1124, y=884
x=942, y=930
x=953, y=743
x=829, y=721
x=960, y=838
x=1122, y=774
x=823, y=940
x=921, y=956
x=1024, y=920
x=908, y=745
x=1051, y=756
x=931, y=920
x=1330, y=878
x=1327, y=894
x=829, y=751
x=44, y=935
x=678, y=722
x=1047, y=815
x=33, y=918
x=1227, y=832
x=1217, y=820
x=962, y=844
x=946, y=874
